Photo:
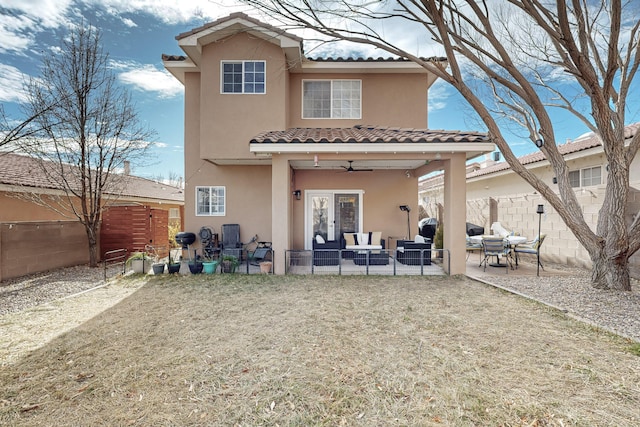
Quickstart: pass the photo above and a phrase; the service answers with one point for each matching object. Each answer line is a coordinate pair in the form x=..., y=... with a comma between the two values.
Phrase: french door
x=330, y=213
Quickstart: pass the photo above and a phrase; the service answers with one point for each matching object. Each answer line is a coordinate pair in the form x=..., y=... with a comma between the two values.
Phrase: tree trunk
x=610, y=273
x=93, y=246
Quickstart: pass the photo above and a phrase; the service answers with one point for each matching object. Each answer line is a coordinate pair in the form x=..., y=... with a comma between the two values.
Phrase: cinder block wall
x=33, y=247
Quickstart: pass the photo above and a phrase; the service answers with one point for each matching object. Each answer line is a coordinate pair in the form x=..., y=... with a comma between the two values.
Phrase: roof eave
x=192, y=44
x=179, y=68
x=472, y=149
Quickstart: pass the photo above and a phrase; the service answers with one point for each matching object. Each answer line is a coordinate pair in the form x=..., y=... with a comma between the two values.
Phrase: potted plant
x=438, y=240
x=173, y=266
x=139, y=262
x=158, y=267
x=195, y=265
x=209, y=266
x=229, y=263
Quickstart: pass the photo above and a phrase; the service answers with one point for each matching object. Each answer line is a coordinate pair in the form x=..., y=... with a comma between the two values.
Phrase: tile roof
x=238, y=15
x=579, y=144
x=366, y=134
x=16, y=169
x=370, y=59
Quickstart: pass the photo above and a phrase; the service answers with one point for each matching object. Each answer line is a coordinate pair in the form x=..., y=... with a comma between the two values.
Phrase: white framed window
x=331, y=99
x=574, y=178
x=591, y=176
x=586, y=177
x=243, y=77
x=210, y=201
x=174, y=213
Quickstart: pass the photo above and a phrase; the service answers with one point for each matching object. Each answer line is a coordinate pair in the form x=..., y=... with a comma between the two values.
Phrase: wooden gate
x=133, y=228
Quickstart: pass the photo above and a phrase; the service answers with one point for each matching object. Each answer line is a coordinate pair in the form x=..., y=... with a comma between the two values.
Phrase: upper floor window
x=174, y=213
x=586, y=177
x=243, y=77
x=210, y=201
x=331, y=99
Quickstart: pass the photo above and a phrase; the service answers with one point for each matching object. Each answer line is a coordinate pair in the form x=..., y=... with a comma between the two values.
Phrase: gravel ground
x=572, y=293
x=615, y=311
x=28, y=291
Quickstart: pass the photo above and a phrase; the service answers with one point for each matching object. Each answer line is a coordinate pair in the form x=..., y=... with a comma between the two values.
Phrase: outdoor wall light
x=539, y=142
x=297, y=194
x=407, y=173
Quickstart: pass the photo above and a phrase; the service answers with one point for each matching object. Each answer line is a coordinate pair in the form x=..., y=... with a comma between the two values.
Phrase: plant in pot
x=209, y=266
x=195, y=265
x=139, y=262
x=174, y=265
x=438, y=240
x=229, y=263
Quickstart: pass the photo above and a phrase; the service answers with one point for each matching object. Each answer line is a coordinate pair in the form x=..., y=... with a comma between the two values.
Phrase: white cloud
x=149, y=79
x=44, y=13
x=129, y=23
x=438, y=95
x=11, y=84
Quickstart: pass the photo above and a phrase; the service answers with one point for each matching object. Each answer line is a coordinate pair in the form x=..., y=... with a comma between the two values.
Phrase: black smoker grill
x=185, y=239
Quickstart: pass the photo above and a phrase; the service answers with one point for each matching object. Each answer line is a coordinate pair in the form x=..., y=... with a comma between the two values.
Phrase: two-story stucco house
x=272, y=137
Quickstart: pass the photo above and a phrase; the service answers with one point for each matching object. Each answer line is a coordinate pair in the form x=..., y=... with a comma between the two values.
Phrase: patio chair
x=531, y=247
x=499, y=230
x=231, y=244
x=325, y=252
x=472, y=246
x=495, y=247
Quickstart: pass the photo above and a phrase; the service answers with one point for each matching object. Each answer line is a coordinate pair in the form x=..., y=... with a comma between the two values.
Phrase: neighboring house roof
x=366, y=134
x=20, y=170
x=580, y=144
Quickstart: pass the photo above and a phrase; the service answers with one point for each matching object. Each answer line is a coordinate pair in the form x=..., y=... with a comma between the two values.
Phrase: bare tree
x=519, y=48
x=87, y=132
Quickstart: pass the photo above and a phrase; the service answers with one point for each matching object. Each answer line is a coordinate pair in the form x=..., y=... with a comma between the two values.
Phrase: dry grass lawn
x=325, y=350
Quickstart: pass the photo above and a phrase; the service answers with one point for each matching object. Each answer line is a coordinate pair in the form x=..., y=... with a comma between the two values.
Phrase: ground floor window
x=210, y=201
x=586, y=177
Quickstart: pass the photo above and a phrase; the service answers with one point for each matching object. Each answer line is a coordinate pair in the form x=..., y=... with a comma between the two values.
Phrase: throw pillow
x=349, y=239
x=376, y=237
x=320, y=239
x=363, y=238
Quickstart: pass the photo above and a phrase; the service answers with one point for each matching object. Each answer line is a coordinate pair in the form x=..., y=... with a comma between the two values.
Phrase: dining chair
x=531, y=247
x=495, y=247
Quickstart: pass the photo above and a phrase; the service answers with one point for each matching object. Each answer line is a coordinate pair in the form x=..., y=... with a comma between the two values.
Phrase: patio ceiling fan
x=350, y=168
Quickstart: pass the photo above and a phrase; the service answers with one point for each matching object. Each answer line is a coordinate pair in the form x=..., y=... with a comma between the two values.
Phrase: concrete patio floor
x=526, y=267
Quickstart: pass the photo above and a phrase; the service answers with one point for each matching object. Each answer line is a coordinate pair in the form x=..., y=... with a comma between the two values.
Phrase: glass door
x=347, y=213
x=322, y=216
x=330, y=213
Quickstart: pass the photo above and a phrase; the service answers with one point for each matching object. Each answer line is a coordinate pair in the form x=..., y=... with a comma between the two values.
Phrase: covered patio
x=379, y=168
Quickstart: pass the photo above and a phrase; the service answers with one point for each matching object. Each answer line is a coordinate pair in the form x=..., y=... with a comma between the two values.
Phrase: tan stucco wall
x=13, y=208
x=248, y=199
x=16, y=209
x=387, y=100
x=384, y=192
x=229, y=121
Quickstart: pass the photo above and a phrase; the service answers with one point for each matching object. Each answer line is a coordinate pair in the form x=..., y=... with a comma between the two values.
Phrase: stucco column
x=280, y=211
x=455, y=212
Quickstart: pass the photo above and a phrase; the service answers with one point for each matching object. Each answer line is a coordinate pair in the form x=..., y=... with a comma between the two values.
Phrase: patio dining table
x=510, y=241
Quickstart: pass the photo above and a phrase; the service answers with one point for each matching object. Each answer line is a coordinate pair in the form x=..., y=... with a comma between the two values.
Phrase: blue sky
x=135, y=34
